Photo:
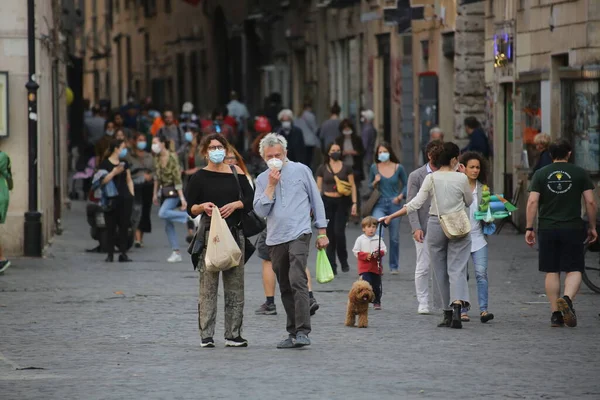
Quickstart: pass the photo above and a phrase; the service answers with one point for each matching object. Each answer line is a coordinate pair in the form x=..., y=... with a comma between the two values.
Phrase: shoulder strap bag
x=342, y=187
x=369, y=205
x=252, y=224
x=456, y=225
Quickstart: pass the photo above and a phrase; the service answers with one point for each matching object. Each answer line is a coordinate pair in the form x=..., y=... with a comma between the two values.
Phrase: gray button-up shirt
x=288, y=214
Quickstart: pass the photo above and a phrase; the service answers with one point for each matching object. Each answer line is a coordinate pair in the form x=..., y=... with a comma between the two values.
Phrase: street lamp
x=33, y=218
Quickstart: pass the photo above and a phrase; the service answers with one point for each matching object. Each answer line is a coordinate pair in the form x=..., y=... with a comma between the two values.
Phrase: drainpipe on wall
x=33, y=218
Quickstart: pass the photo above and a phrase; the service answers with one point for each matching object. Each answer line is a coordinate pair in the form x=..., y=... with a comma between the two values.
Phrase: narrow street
x=115, y=331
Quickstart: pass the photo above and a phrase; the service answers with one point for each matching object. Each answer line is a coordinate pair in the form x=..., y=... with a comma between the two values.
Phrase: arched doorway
x=221, y=57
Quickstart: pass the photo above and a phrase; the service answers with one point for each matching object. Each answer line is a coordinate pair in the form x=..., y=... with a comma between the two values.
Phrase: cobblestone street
x=129, y=331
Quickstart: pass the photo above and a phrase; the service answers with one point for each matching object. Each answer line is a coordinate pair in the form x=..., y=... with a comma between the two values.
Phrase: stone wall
x=469, y=72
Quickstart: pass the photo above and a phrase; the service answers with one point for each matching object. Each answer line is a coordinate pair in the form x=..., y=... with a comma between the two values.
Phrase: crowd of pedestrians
x=190, y=166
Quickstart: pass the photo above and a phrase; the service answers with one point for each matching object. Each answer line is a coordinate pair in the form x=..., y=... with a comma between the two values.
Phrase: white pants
x=422, y=273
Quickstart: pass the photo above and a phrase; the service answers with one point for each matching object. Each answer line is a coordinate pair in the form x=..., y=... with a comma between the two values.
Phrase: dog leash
x=381, y=226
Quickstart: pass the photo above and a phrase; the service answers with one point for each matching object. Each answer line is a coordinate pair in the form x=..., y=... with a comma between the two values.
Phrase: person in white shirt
x=451, y=193
x=418, y=224
x=476, y=171
x=369, y=248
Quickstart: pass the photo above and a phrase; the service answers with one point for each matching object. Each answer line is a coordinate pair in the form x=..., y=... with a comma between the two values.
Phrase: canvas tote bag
x=222, y=251
x=456, y=225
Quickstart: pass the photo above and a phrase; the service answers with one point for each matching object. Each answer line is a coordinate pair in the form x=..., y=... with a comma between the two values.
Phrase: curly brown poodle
x=359, y=298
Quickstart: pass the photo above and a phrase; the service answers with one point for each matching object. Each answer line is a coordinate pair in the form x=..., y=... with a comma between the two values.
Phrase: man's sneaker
x=556, y=321
x=314, y=306
x=286, y=344
x=236, y=342
x=423, y=309
x=4, y=264
x=267, y=309
x=302, y=340
x=566, y=307
x=394, y=272
x=376, y=306
x=208, y=342
x=175, y=257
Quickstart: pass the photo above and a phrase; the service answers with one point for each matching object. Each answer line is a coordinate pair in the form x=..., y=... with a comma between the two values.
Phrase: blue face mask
x=142, y=145
x=383, y=157
x=189, y=136
x=216, y=156
x=123, y=153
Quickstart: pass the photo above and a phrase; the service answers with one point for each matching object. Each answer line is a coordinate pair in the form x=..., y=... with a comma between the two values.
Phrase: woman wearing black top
x=337, y=205
x=119, y=213
x=216, y=186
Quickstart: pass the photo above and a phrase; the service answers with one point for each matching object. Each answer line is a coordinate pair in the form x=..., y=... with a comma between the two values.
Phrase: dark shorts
x=261, y=246
x=561, y=250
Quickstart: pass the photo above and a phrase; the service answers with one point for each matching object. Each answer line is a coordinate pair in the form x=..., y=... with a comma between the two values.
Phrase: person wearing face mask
x=215, y=186
x=352, y=149
x=285, y=195
x=142, y=172
x=386, y=175
x=103, y=143
x=337, y=204
x=168, y=187
x=118, y=215
x=293, y=135
x=449, y=191
x=219, y=126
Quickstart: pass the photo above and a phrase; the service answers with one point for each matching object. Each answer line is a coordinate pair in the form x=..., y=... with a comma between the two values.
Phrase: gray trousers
x=233, y=286
x=448, y=260
x=289, y=263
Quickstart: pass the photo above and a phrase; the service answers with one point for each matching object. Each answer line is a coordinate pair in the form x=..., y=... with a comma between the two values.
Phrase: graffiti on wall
x=586, y=124
x=396, y=77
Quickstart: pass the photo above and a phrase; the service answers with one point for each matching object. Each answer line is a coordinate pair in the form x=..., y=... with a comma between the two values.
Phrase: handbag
x=168, y=192
x=222, y=251
x=343, y=187
x=456, y=225
x=252, y=224
x=367, y=208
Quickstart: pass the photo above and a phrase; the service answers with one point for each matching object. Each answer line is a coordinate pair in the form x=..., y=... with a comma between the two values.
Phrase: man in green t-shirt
x=556, y=191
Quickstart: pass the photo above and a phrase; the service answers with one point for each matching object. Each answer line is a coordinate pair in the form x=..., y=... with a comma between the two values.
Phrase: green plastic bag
x=324, y=270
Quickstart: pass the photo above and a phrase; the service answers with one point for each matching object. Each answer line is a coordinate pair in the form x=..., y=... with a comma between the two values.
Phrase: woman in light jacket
x=450, y=192
x=168, y=187
x=476, y=171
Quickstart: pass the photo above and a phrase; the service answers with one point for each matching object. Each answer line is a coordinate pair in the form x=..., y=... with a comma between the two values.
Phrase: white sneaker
x=423, y=310
x=174, y=258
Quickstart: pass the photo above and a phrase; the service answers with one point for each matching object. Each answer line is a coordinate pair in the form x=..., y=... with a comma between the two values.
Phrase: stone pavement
x=129, y=331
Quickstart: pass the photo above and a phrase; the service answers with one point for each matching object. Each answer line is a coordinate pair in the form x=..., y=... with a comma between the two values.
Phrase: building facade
x=51, y=48
x=542, y=71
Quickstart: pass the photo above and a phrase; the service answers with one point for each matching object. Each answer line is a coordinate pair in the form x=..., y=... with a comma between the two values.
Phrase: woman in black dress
x=118, y=214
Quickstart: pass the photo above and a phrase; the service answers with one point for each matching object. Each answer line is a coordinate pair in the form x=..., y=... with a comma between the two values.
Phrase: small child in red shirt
x=366, y=249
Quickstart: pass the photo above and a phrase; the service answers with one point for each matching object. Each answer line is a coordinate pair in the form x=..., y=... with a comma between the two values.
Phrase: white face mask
x=286, y=125
x=275, y=164
x=156, y=148
x=347, y=132
x=109, y=132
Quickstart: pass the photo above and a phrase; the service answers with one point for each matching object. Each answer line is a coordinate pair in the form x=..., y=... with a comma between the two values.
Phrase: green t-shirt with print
x=560, y=186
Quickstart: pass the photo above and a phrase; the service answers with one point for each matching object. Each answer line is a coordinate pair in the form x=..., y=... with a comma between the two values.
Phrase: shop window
x=531, y=117
x=581, y=121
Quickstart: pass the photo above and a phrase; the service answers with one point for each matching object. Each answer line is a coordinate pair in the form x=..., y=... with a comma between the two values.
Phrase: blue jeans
x=480, y=260
x=170, y=213
x=384, y=207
